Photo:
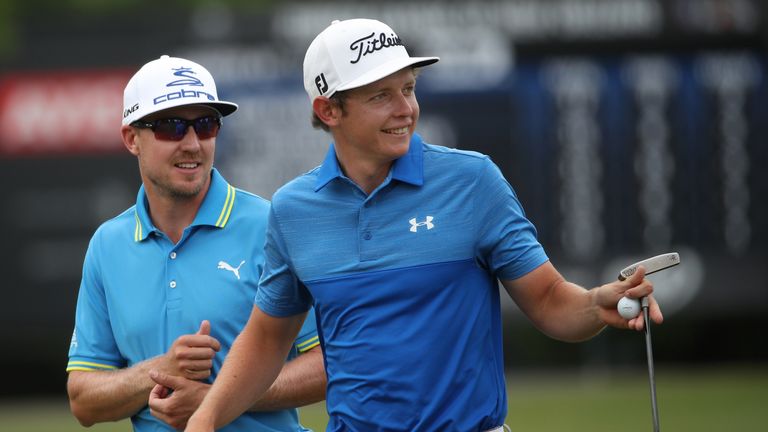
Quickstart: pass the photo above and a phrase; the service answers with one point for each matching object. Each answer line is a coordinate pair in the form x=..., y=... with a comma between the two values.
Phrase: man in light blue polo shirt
x=169, y=283
x=399, y=245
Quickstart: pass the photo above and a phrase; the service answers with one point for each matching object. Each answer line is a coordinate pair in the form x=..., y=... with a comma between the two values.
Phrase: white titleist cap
x=170, y=82
x=353, y=53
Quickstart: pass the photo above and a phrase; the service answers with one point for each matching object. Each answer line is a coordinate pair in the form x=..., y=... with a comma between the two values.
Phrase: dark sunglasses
x=174, y=129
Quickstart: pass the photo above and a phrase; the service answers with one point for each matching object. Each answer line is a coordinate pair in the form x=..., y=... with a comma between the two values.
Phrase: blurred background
x=628, y=128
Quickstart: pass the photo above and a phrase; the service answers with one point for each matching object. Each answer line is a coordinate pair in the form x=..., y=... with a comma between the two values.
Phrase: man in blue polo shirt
x=169, y=283
x=399, y=245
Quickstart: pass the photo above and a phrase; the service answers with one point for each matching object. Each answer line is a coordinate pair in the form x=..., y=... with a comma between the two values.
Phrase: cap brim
x=225, y=108
x=222, y=107
x=387, y=69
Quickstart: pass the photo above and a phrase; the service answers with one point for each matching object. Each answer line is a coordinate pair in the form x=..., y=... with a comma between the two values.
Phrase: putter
x=652, y=265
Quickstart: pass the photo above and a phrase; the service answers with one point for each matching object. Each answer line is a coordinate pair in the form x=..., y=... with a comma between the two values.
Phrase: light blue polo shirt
x=404, y=285
x=140, y=292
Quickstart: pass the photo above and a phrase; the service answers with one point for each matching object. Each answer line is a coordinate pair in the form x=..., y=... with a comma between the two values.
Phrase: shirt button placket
x=365, y=230
x=172, y=276
x=172, y=256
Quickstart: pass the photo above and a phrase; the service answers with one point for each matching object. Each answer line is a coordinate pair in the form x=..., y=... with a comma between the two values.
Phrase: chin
x=186, y=189
x=403, y=139
x=189, y=192
x=404, y=145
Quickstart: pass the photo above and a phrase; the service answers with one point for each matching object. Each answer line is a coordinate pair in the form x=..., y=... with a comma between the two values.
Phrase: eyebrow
x=380, y=87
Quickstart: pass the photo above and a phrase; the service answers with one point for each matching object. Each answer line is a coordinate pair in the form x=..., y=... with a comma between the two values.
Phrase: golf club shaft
x=651, y=374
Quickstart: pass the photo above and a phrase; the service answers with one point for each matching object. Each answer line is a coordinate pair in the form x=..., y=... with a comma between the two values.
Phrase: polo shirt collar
x=408, y=168
x=215, y=209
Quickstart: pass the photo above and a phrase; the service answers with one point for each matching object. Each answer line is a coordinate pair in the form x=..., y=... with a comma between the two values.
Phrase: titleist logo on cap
x=371, y=43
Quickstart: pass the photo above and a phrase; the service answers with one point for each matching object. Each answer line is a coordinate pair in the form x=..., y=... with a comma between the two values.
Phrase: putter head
x=652, y=265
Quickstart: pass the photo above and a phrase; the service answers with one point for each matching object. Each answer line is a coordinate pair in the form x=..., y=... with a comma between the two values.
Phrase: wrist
x=201, y=419
x=595, y=306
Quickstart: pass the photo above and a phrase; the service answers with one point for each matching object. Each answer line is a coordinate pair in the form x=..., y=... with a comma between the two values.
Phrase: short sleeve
x=507, y=243
x=93, y=346
x=280, y=293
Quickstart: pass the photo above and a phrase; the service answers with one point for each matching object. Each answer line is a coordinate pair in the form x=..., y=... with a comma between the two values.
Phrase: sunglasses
x=174, y=129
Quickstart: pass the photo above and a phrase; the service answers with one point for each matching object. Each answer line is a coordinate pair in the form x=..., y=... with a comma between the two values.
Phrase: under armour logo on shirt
x=236, y=270
x=427, y=223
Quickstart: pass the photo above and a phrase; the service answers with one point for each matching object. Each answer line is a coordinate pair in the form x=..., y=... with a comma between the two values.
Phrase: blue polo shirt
x=140, y=292
x=404, y=285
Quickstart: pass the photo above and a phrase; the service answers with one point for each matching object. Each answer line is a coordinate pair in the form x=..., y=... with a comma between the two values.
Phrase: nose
x=405, y=105
x=190, y=141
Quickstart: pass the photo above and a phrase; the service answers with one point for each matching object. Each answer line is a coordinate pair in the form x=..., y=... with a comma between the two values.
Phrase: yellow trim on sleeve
x=82, y=369
x=88, y=366
x=308, y=344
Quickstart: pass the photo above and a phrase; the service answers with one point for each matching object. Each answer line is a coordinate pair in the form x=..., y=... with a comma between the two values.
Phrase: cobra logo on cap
x=189, y=79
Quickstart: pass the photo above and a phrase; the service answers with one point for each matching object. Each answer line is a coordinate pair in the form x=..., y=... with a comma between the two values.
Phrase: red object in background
x=60, y=113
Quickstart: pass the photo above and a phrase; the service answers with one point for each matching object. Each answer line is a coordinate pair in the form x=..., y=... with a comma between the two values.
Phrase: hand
x=191, y=356
x=174, y=398
x=636, y=286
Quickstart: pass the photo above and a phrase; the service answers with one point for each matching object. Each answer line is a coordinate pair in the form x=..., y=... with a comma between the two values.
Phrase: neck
x=172, y=215
x=366, y=173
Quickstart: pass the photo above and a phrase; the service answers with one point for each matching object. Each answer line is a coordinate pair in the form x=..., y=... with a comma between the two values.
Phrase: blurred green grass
x=711, y=399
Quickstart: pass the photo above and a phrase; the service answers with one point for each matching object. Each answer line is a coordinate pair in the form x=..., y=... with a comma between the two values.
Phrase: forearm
x=571, y=313
x=301, y=382
x=236, y=386
x=253, y=363
x=560, y=309
x=101, y=396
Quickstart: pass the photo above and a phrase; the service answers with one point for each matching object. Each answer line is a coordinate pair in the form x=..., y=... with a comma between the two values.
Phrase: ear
x=130, y=135
x=326, y=110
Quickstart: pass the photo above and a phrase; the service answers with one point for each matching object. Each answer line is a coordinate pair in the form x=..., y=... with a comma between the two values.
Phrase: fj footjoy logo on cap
x=372, y=43
x=189, y=80
x=321, y=83
x=427, y=223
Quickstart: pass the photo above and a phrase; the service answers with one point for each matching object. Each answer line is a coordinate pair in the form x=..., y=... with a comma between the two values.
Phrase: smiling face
x=179, y=170
x=378, y=121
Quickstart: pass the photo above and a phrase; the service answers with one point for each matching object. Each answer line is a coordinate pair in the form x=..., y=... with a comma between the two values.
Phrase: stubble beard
x=170, y=190
x=163, y=185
